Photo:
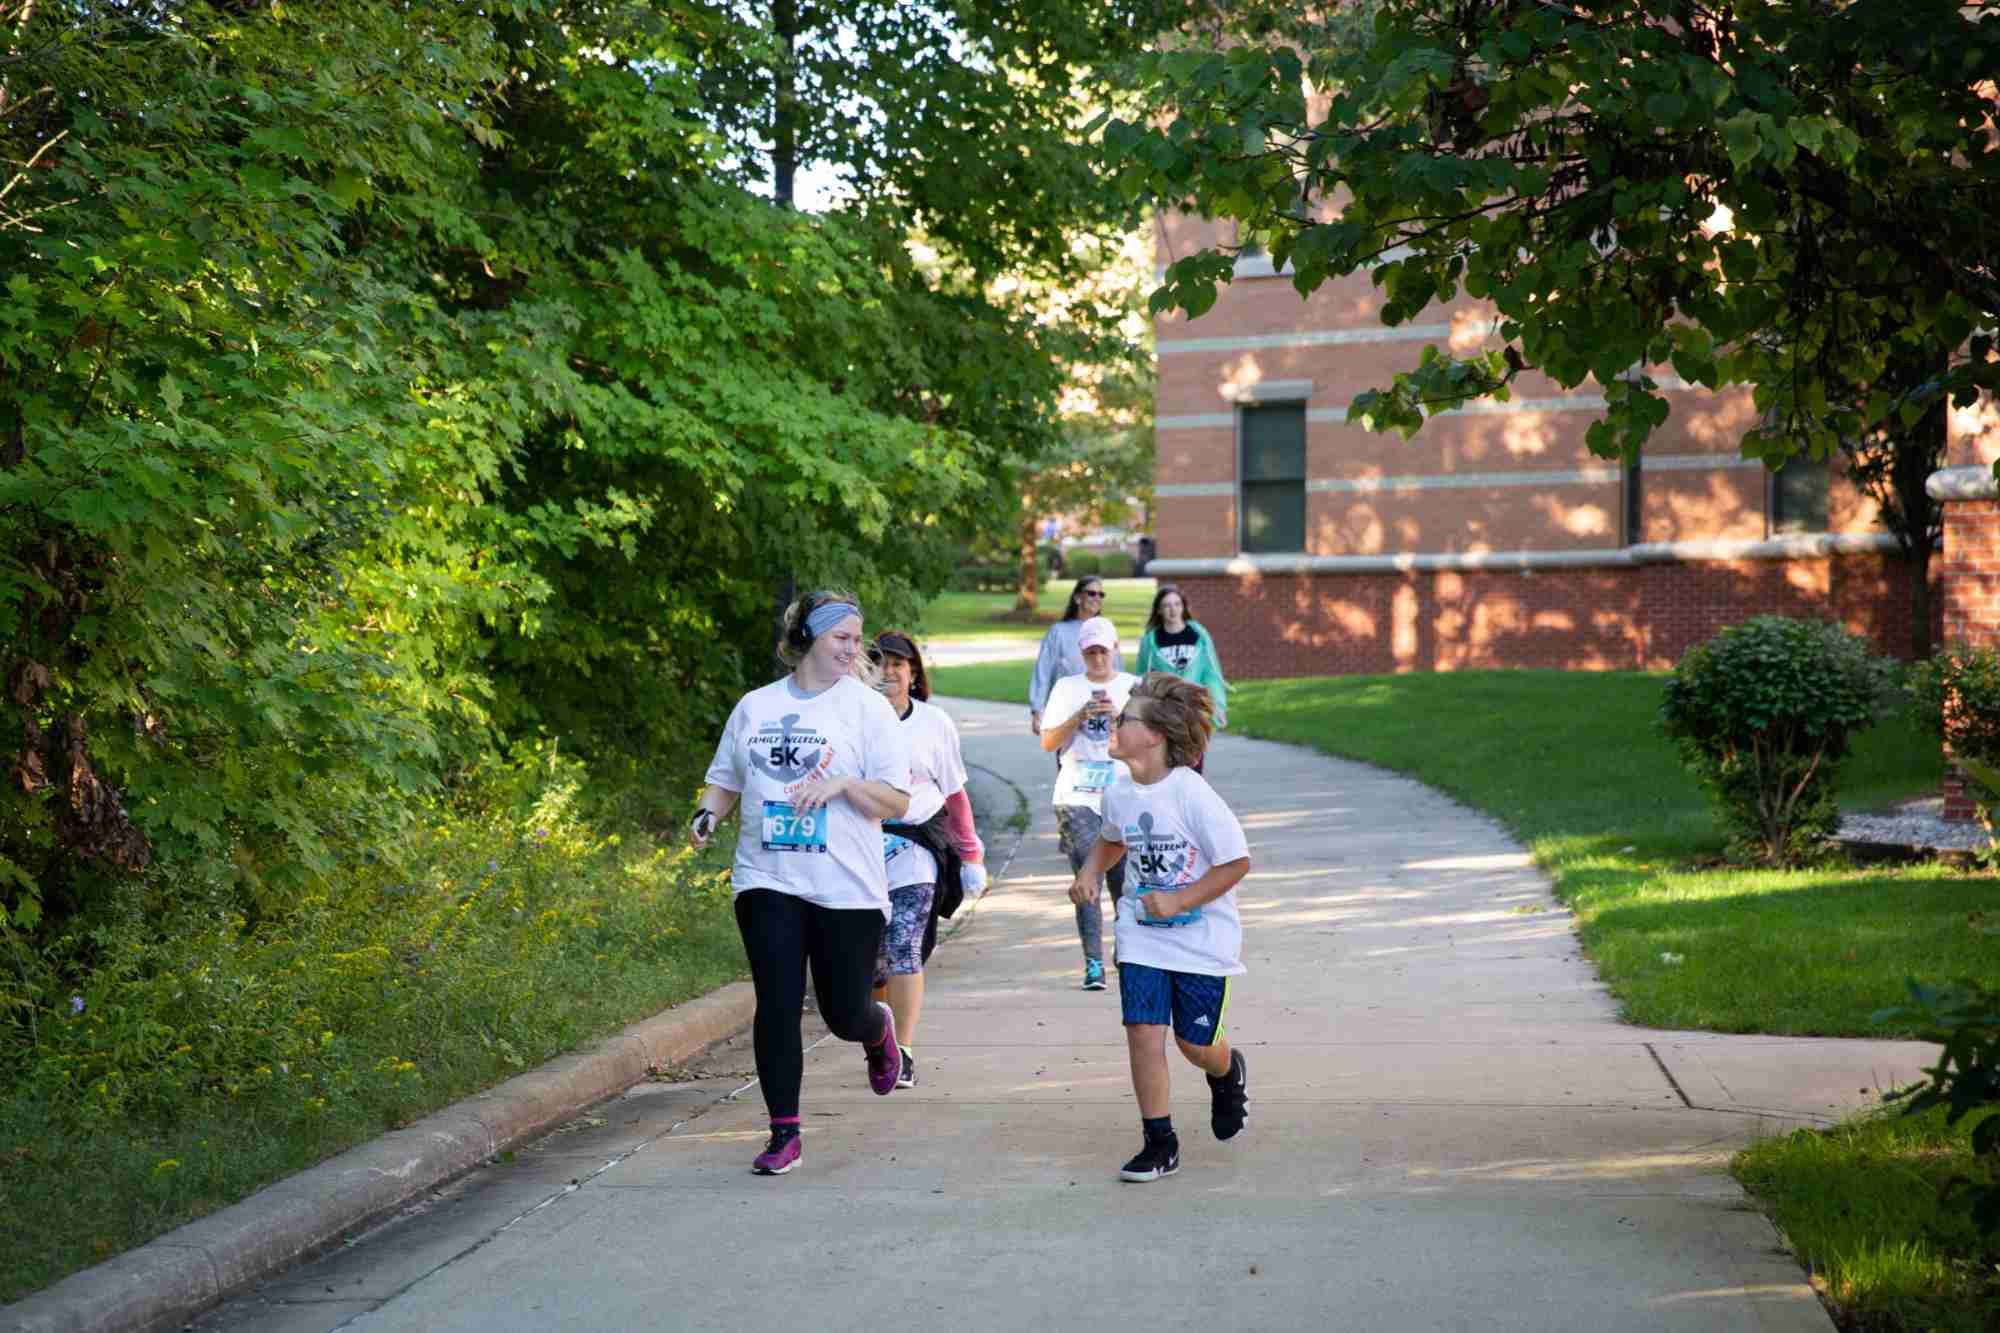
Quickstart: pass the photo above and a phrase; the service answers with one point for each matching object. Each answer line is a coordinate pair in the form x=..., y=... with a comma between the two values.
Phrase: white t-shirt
x=936, y=760
x=774, y=745
x=1174, y=832
x=1087, y=769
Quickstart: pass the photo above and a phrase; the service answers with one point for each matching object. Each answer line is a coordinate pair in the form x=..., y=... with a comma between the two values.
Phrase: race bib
x=786, y=830
x=1084, y=781
x=1139, y=917
x=1093, y=775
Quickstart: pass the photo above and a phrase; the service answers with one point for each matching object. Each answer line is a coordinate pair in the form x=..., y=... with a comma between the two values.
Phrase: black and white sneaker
x=1229, y=1099
x=907, y=1077
x=1160, y=1157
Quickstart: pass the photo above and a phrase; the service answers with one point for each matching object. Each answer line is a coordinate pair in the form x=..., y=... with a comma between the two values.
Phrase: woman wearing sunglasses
x=1061, y=656
x=936, y=828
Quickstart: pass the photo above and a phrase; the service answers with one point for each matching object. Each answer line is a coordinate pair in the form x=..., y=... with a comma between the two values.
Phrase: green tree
x=1892, y=462
x=383, y=386
x=1103, y=460
x=904, y=105
x=209, y=431
x=1755, y=193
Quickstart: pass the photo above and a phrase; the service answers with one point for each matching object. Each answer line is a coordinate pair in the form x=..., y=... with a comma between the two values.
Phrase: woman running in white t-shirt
x=818, y=760
x=1077, y=726
x=937, y=776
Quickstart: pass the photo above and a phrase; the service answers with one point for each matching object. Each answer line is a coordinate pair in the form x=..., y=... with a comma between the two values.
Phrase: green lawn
x=1859, y=1206
x=989, y=615
x=1571, y=764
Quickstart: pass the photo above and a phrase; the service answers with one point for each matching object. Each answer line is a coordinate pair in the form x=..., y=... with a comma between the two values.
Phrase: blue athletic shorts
x=1192, y=1001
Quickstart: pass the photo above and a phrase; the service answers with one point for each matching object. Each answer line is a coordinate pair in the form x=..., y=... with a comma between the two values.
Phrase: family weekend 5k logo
x=785, y=753
x=1165, y=861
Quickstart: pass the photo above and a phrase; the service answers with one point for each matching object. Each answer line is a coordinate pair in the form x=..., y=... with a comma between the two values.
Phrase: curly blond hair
x=1179, y=710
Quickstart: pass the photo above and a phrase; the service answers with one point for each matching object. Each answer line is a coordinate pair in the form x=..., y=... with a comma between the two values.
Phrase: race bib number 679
x=786, y=830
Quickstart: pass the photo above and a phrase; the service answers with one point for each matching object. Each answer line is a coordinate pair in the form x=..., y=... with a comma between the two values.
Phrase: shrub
x=1965, y=1019
x=985, y=578
x=1115, y=565
x=1956, y=696
x=1763, y=713
x=1079, y=562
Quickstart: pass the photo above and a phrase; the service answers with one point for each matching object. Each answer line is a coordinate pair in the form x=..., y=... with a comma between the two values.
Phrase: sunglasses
x=1098, y=593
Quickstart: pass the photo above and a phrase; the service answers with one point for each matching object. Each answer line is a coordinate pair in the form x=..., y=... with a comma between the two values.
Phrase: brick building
x=1494, y=538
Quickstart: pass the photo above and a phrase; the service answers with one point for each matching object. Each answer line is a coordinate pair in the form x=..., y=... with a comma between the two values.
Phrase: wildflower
x=167, y=1164
x=492, y=865
x=284, y=1069
x=541, y=835
x=75, y=1004
x=1673, y=959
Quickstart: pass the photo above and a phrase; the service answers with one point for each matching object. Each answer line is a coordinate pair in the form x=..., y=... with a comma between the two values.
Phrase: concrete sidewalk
x=1448, y=1130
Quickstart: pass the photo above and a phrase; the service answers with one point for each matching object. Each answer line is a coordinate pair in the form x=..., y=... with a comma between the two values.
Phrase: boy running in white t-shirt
x=1179, y=938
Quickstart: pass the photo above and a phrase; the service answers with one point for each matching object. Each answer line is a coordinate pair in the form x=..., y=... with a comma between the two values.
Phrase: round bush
x=1763, y=714
x=1957, y=697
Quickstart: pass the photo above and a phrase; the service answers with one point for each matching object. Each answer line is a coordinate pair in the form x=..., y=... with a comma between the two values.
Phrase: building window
x=1798, y=495
x=1273, y=472
x=1634, y=496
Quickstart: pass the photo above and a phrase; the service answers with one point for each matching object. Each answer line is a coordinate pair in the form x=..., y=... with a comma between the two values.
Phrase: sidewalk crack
x=1672, y=1082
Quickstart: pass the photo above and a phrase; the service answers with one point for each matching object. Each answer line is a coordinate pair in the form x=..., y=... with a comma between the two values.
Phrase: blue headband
x=828, y=614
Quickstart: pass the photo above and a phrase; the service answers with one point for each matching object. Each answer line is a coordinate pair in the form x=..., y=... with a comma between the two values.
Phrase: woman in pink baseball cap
x=1076, y=726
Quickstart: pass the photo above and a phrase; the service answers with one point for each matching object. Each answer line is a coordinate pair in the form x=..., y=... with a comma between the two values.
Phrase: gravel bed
x=1914, y=824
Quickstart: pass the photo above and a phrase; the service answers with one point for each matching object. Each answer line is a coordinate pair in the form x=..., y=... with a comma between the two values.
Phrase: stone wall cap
x=1963, y=483
x=1802, y=546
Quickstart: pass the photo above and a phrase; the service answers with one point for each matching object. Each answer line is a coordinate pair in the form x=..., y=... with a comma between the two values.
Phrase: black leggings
x=782, y=934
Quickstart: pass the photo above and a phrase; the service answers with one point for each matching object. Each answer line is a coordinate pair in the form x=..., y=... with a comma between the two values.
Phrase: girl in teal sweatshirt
x=1175, y=642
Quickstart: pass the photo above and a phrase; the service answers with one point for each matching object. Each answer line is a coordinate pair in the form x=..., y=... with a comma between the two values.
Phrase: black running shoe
x=1229, y=1099
x=907, y=1076
x=1160, y=1157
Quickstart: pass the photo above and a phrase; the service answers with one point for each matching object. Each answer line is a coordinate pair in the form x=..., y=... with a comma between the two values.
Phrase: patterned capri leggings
x=903, y=940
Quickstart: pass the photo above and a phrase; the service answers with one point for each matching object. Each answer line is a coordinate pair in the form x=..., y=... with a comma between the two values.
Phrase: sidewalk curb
x=169, y=1280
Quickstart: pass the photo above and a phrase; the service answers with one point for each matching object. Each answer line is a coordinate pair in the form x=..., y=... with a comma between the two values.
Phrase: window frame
x=1823, y=512
x=1243, y=409
x=1632, y=503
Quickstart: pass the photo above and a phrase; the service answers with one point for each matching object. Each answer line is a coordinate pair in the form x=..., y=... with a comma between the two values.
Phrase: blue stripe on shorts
x=1192, y=1001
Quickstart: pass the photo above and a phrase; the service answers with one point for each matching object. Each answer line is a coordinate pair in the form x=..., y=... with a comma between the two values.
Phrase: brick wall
x=1592, y=619
x=1969, y=579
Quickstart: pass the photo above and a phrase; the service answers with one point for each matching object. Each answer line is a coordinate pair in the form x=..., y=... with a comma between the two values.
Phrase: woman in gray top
x=1060, y=656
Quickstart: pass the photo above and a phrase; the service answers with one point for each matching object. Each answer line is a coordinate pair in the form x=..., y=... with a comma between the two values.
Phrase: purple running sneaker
x=780, y=1155
x=885, y=1059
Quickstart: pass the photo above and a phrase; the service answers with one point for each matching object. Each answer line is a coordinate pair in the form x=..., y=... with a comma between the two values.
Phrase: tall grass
x=194, y=1054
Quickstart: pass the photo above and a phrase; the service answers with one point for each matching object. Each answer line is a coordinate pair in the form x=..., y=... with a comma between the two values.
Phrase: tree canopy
x=385, y=388
x=1789, y=196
